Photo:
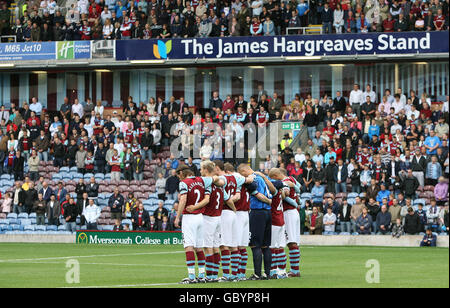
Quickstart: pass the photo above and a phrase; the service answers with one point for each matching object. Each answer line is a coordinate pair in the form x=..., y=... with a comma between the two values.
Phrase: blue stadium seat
x=57, y=177
x=108, y=227
x=29, y=228
x=421, y=201
x=62, y=228
x=5, y=177
x=41, y=228
x=17, y=228
x=73, y=169
x=352, y=195
x=99, y=176
x=64, y=169
x=4, y=222
x=25, y=222
x=88, y=176
x=22, y=216
x=11, y=215
x=13, y=221
x=344, y=233
x=52, y=228
x=351, y=201
x=67, y=176
x=32, y=215
x=306, y=195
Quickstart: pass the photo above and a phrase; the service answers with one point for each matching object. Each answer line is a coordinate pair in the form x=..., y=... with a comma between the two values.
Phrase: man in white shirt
x=77, y=108
x=257, y=6
x=395, y=127
x=369, y=92
x=329, y=221
x=402, y=96
x=389, y=96
x=356, y=99
x=36, y=106
x=397, y=104
x=411, y=112
x=300, y=157
x=91, y=214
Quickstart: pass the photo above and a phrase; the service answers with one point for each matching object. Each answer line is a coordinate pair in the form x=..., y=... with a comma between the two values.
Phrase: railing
x=7, y=39
x=305, y=30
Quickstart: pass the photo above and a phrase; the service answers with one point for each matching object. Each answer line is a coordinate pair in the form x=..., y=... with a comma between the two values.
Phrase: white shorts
x=292, y=224
x=243, y=228
x=228, y=229
x=211, y=231
x=192, y=229
x=278, y=237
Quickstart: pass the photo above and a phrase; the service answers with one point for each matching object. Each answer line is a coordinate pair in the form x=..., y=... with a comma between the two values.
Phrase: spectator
x=441, y=191
x=398, y=229
x=6, y=205
x=141, y=219
x=172, y=186
x=329, y=222
x=161, y=187
x=70, y=215
x=395, y=211
x=355, y=212
x=159, y=213
x=429, y=239
x=383, y=221
x=345, y=216
x=40, y=208
x=92, y=189
x=53, y=210
x=433, y=172
x=412, y=222
x=364, y=222
x=314, y=222
x=433, y=214
x=91, y=213
x=116, y=203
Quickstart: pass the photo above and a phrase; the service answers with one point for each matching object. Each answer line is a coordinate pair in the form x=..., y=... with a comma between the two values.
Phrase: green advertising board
x=290, y=126
x=129, y=238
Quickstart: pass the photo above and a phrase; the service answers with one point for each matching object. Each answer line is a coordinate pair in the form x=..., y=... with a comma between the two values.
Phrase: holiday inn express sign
x=284, y=46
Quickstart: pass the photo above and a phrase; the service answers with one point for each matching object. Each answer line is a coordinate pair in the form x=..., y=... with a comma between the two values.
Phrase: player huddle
x=225, y=211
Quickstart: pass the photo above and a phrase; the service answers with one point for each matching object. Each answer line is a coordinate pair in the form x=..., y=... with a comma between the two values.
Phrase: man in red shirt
x=439, y=21
x=389, y=24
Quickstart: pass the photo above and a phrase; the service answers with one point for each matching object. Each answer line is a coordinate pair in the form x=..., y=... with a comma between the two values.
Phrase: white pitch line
x=128, y=285
x=90, y=263
x=92, y=256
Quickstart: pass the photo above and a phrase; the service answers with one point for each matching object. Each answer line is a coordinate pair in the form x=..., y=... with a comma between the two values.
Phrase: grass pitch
x=44, y=265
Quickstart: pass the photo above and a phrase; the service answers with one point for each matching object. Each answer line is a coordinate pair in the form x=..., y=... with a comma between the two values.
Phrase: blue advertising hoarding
x=67, y=50
x=284, y=46
x=27, y=51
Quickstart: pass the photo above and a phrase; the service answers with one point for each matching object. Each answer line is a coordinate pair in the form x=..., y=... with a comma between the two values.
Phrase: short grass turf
x=44, y=265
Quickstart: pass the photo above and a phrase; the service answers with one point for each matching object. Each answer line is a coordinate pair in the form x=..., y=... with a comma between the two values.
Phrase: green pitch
x=44, y=265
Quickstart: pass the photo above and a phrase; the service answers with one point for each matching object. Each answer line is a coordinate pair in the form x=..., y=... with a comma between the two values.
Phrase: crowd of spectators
x=382, y=152
x=44, y=20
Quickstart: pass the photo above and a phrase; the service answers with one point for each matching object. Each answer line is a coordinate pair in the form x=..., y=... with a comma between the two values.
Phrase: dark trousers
x=91, y=226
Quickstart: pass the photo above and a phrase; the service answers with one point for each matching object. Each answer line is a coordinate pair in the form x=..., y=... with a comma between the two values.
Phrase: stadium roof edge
x=99, y=63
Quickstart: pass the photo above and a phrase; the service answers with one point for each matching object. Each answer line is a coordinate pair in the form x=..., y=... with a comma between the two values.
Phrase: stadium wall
x=310, y=240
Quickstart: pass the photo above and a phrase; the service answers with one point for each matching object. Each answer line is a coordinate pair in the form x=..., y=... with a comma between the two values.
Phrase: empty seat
x=52, y=228
x=12, y=216
x=29, y=228
x=25, y=221
x=23, y=216
x=41, y=228
x=62, y=228
x=32, y=215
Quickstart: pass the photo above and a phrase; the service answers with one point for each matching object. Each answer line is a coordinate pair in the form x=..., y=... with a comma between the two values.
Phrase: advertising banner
x=66, y=50
x=284, y=46
x=27, y=51
x=129, y=238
